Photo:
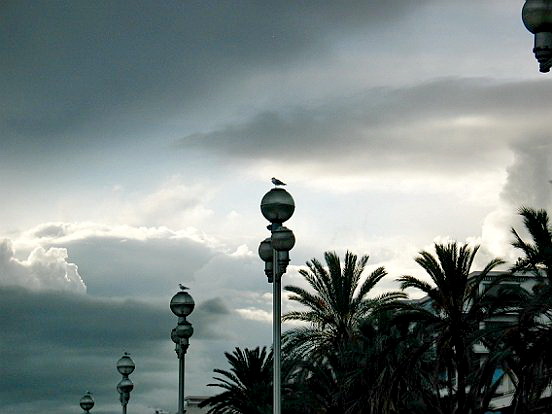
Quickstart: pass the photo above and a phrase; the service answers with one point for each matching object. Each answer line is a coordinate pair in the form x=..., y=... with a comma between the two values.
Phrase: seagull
x=182, y=286
x=277, y=182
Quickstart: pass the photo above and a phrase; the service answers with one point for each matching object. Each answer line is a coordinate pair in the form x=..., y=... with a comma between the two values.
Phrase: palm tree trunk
x=461, y=370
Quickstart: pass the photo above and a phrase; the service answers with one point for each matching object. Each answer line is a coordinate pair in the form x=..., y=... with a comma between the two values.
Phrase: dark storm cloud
x=69, y=66
x=55, y=346
x=457, y=121
x=125, y=266
x=206, y=315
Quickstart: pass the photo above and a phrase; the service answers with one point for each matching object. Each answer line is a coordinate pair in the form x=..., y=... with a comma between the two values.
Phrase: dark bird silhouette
x=277, y=182
x=182, y=286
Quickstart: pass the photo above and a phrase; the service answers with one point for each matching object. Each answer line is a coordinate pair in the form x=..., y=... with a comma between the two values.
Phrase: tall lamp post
x=182, y=304
x=277, y=206
x=125, y=366
x=87, y=402
x=537, y=18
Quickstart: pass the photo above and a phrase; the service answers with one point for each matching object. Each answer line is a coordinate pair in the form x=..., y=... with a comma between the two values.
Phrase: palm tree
x=530, y=360
x=319, y=387
x=384, y=378
x=530, y=341
x=537, y=255
x=333, y=314
x=337, y=306
x=458, y=307
x=247, y=385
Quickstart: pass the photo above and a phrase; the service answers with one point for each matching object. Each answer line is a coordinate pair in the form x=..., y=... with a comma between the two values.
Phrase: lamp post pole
x=277, y=206
x=537, y=18
x=87, y=402
x=182, y=304
x=276, y=334
x=125, y=366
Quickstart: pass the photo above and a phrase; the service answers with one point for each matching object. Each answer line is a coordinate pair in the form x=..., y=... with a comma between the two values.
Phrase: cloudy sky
x=138, y=137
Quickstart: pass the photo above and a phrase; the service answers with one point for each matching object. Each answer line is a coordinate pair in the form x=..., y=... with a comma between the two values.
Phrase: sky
x=137, y=139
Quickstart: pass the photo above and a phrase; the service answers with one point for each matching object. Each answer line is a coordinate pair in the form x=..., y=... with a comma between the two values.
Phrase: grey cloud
x=214, y=306
x=55, y=346
x=59, y=345
x=462, y=123
x=71, y=65
x=230, y=272
x=149, y=262
x=153, y=267
x=80, y=320
x=50, y=230
x=206, y=315
x=529, y=176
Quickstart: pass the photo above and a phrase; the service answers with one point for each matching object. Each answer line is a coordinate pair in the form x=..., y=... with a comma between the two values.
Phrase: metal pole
x=124, y=409
x=276, y=332
x=181, y=382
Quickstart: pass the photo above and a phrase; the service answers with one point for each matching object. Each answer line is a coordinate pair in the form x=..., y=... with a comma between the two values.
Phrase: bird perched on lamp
x=277, y=182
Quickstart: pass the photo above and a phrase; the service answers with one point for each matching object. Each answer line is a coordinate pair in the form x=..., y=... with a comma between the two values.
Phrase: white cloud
x=42, y=269
x=175, y=204
x=495, y=232
x=123, y=260
x=526, y=184
x=529, y=173
x=255, y=314
x=242, y=250
x=63, y=233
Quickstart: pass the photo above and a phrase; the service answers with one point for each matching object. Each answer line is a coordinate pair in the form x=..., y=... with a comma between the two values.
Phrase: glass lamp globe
x=125, y=365
x=283, y=239
x=87, y=402
x=125, y=386
x=537, y=15
x=182, y=304
x=537, y=18
x=184, y=330
x=265, y=250
x=277, y=205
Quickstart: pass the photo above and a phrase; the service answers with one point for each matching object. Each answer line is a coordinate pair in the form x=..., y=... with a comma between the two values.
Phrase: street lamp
x=537, y=18
x=182, y=304
x=125, y=366
x=277, y=206
x=87, y=402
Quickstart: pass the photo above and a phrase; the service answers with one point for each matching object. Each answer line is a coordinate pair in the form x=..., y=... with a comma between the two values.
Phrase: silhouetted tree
x=333, y=314
x=537, y=255
x=248, y=385
x=384, y=377
x=452, y=322
x=338, y=304
x=530, y=340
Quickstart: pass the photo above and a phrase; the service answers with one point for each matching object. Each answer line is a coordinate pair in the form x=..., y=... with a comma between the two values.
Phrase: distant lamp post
x=87, y=402
x=537, y=18
x=182, y=304
x=277, y=206
x=125, y=366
